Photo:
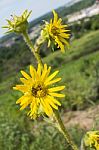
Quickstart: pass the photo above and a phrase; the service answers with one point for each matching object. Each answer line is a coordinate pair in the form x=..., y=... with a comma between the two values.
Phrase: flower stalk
x=63, y=130
x=30, y=45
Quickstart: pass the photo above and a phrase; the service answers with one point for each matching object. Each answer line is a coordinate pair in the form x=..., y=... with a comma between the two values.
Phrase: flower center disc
x=54, y=30
x=39, y=91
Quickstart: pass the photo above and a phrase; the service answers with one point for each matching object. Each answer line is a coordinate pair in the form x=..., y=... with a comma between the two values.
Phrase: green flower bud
x=18, y=24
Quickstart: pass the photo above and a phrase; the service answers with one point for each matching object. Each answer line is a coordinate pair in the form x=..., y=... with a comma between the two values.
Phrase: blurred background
x=79, y=69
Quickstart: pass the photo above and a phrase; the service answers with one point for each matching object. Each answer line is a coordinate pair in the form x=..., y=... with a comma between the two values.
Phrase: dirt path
x=86, y=119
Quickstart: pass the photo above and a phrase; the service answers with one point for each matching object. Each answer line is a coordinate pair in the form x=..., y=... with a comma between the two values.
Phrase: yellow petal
x=44, y=72
x=25, y=75
x=48, y=72
x=60, y=44
x=45, y=108
x=53, y=81
x=33, y=108
x=32, y=71
x=55, y=16
x=59, y=22
x=64, y=41
x=57, y=95
x=21, y=88
x=23, y=106
x=58, y=88
x=54, y=100
x=26, y=100
x=63, y=26
x=39, y=70
x=64, y=31
x=50, y=102
x=49, y=43
x=23, y=80
x=20, y=99
x=65, y=35
x=51, y=76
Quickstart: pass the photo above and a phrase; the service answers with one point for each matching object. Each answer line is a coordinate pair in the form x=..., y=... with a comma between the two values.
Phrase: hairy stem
x=30, y=45
x=64, y=131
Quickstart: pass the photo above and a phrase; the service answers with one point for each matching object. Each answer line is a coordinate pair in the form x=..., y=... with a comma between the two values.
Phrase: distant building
x=88, y=12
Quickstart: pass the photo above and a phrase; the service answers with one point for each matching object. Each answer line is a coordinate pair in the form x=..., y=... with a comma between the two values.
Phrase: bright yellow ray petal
x=50, y=102
x=48, y=107
x=21, y=88
x=54, y=100
x=23, y=80
x=39, y=70
x=59, y=22
x=20, y=99
x=53, y=81
x=51, y=76
x=65, y=35
x=65, y=31
x=26, y=100
x=58, y=88
x=45, y=108
x=33, y=109
x=65, y=41
x=48, y=72
x=44, y=72
x=63, y=26
x=25, y=75
x=57, y=95
x=55, y=16
x=60, y=44
x=32, y=71
x=23, y=106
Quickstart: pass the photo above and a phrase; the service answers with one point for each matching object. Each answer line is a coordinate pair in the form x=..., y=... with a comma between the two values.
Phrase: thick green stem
x=30, y=45
x=64, y=131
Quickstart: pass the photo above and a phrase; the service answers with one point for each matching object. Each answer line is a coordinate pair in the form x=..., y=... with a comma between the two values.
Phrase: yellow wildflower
x=18, y=24
x=39, y=91
x=56, y=33
x=92, y=139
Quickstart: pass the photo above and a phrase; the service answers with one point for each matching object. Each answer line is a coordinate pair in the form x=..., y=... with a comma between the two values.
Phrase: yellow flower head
x=18, y=24
x=39, y=91
x=91, y=139
x=56, y=33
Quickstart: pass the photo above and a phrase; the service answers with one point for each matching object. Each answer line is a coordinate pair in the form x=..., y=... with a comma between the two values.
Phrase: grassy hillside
x=79, y=69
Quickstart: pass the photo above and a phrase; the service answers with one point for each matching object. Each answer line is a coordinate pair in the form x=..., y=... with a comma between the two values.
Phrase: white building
x=88, y=12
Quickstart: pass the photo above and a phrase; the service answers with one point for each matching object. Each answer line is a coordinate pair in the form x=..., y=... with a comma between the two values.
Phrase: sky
x=38, y=7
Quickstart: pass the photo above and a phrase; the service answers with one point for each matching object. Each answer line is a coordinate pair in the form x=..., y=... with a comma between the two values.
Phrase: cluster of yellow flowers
x=91, y=139
x=38, y=88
